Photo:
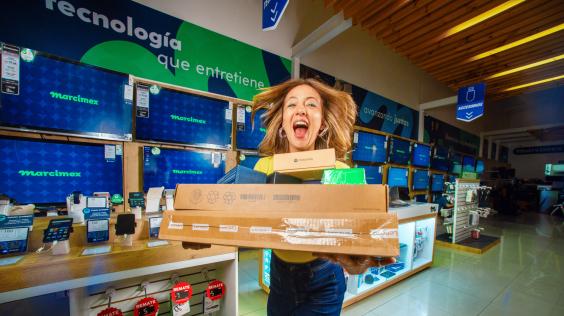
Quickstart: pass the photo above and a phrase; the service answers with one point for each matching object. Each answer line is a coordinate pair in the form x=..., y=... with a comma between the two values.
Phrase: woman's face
x=302, y=117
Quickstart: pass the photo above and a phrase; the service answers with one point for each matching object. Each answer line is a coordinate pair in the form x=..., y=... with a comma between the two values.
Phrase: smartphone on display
x=125, y=224
x=98, y=230
x=58, y=230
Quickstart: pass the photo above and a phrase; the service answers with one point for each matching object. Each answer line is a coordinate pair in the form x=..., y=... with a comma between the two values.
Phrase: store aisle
x=524, y=275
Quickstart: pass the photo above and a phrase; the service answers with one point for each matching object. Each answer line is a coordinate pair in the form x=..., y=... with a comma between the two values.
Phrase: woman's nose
x=300, y=109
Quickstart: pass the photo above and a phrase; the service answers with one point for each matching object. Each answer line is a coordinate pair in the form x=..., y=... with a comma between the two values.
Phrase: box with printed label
x=306, y=165
x=372, y=234
x=282, y=197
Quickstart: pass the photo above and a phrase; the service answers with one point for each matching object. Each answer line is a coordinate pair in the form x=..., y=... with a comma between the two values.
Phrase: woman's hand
x=356, y=264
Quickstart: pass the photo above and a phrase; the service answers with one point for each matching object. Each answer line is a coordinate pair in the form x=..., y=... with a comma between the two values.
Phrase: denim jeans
x=313, y=288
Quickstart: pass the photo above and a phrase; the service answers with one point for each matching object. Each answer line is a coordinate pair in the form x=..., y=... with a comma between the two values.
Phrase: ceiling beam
x=521, y=129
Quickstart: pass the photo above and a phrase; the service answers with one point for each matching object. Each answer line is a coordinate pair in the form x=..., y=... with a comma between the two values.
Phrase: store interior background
x=358, y=58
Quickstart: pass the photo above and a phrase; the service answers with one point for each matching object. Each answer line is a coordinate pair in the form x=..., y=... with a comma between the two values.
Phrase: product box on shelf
x=282, y=197
x=306, y=165
x=353, y=233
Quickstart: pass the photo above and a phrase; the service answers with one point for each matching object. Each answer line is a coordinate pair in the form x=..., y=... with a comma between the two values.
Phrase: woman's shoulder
x=264, y=164
x=341, y=165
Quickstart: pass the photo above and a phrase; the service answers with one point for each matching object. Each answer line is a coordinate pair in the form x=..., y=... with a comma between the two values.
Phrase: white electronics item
x=75, y=210
x=154, y=199
x=106, y=195
x=96, y=202
x=61, y=248
x=137, y=211
x=169, y=198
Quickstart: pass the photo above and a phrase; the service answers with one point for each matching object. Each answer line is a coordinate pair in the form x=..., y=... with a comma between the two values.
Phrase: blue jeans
x=313, y=288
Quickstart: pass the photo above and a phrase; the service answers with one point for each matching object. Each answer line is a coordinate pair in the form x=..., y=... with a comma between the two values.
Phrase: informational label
x=261, y=230
x=98, y=230
x=10, y=79
x=210, y=306
x=128, y=93
x=200, y=227
x=229, y=114
x=11, y=234
x=341, y=232
x=228, y=228
x=96, y=213
x=98, y=250
x=154, y=226
x=119, y=150
x=110, y=311
x=157, y=243
x=355, y=137
x=180, y=309
x=272, y=11
x=470, y=105
x=97, y=225
x=147, y=306
x=216, y=159
x=110, y=152
x=181, y=292
x=96, y=202
x=173, y=225
x=384, y=233
x=16, y=221
x=240, y=118
x=142, y=101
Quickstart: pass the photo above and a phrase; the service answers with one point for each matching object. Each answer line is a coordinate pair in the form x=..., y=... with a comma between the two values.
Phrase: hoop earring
x=323, y=132
x=281, y=132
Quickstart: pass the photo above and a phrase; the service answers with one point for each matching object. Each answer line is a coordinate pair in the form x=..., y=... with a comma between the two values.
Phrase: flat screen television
x=468, y=164
x=455, y=164
x=437, y=182
x=249, y=137
x=370, y=148
x=400, y=151
x=167, y=167
x=373, y=174
x=420, y=180
x=169, y=116
x=70, y=98
x=397, y=177
x=440, y=159
x=421, y=155
x=480, y=166
x=46, y=172
x=249, y=161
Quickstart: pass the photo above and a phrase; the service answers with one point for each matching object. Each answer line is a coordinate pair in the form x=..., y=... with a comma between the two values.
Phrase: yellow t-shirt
x=265, y=165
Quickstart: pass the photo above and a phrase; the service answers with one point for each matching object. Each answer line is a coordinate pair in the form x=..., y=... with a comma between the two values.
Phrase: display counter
x=416, y=237
x=124, y=268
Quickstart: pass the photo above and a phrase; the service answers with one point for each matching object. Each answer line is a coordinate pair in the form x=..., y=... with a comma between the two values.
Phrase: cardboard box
x=372, y=234
x=306, y=165
x=282, y=197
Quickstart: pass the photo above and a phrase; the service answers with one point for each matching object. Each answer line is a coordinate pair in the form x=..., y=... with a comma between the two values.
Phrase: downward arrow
x=274, y=17
x=469, y=115
x=274, y=10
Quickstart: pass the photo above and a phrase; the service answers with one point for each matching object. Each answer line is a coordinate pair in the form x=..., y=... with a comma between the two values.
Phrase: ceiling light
x=534, y=83
x=522, y=41
x=535, y=64
x=482, y=17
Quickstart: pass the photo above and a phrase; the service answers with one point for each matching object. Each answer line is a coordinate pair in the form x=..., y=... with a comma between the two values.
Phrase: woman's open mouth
x=300, y=128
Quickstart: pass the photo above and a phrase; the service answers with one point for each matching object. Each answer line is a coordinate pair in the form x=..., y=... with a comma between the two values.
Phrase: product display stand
x=465, y=221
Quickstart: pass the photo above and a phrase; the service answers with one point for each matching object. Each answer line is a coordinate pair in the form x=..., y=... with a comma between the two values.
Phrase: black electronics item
x=136, y=199
x=98, y=230
x=125, y=224
x=58, y=230
x=13, y=240
x=243, y=175
x=280, y=178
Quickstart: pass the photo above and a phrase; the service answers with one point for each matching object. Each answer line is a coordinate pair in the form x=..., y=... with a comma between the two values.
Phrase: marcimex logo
x=189, y=171
x=187, y=119
x=56, y=173
x=73, y=98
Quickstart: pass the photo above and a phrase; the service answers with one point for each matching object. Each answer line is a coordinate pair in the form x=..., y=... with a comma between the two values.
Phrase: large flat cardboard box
x=369, y=234
x=306, y=165
x=282, y=197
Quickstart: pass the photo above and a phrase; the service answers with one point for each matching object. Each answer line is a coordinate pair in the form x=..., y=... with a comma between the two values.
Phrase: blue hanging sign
x=470, y=104
x=272, y=11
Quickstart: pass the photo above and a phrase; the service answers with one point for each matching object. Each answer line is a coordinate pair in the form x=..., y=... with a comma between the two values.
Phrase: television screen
x=468, y=163
x=421, y=155
x=480, y=166
x=165, y=115
x=247, y=136
x=455, y=164
x=167, y=167
x=369, y=147
x=451, y=178
x=45, y=172
x=400, y=151
x=437, y=182
x=397, y=177
x=373, y=174
x=248, y=161
x=420, y=180
x=66, y=97
x=440, y=159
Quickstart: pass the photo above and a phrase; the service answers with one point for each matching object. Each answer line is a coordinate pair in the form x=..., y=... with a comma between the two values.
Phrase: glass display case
x=423, y=242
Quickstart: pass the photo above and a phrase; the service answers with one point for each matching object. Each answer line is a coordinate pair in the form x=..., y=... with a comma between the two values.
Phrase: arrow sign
x=272, y=11
x=470, y=105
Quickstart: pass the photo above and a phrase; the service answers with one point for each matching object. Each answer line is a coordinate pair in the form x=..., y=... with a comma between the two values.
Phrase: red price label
x=181, y=293
x=110, y=311
x=215, y=290
x=147, y=306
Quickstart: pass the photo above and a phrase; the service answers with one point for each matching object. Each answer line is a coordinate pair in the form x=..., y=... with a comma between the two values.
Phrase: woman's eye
x=312, y=105
x=291, y=105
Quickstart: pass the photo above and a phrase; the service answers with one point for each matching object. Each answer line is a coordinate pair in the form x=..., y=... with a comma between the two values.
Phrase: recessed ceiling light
x=522, y=41
x=481, y=17
x=535, y=64
x=534, y=83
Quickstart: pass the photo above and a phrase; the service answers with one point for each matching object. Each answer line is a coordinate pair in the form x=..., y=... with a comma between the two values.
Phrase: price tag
x=110, y=311
x=180, y=309
x=128, y=93
x=147, y=306
x=154, y=226
x=142, y=101
x=240, y=118
x=355, y=137
x=110, y=152
x=215, y=290
x=181, y=293
x=210, y=306
x=10, y=78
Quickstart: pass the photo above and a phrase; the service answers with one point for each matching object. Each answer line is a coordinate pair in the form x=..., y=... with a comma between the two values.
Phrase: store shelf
x=424, y=242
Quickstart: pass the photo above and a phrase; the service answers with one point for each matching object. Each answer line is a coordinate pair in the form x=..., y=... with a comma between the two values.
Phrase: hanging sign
x=110, y=311
x=147, y=306
x=272, y=11
x=181, y=292
x=470, y=105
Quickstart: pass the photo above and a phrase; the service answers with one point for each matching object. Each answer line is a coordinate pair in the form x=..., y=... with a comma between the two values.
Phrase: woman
x=301, y=115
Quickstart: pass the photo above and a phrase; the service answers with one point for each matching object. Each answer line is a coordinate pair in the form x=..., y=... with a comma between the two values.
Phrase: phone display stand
x=61, y=248
x=125, y=240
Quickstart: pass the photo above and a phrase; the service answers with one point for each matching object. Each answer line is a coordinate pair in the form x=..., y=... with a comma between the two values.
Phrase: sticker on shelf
x=384, y=233
x=355, y=137
x=228, y=228
x=261, y=230
x=177, y=226
x=200, y=227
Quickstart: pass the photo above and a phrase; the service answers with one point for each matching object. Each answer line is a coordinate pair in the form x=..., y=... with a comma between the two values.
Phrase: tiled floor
x=524, y=275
